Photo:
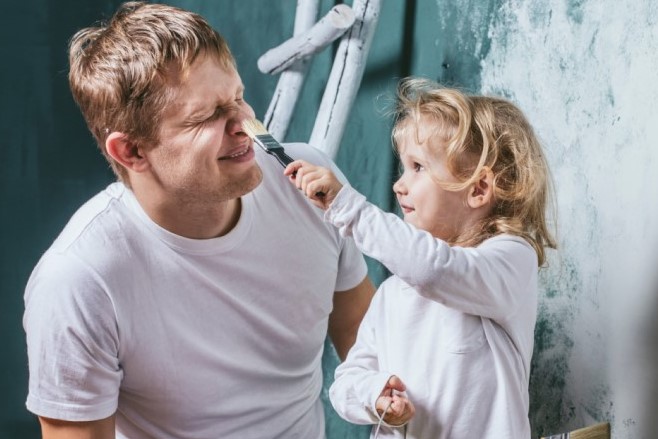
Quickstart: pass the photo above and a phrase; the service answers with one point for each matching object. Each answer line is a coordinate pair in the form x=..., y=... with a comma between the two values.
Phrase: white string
x=381, y=418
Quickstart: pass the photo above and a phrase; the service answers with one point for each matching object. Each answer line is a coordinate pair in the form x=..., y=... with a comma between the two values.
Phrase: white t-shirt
x=189, y=338
x=456, y=325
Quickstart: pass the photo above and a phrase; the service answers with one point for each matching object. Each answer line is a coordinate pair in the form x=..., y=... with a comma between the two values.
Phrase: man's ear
x=481, y=192
x=126, y=153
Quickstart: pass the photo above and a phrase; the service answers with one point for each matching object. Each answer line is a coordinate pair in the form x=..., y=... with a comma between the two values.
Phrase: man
x=192, y=298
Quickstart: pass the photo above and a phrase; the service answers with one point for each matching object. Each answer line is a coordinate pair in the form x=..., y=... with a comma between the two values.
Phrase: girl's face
x=425, y=204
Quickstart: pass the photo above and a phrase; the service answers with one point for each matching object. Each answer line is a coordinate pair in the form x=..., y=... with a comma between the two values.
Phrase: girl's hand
x=319, y=184
x=401, y=410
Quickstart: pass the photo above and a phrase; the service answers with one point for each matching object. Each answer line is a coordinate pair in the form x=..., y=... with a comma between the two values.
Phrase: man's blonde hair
x=477, y=132
x=122, y=73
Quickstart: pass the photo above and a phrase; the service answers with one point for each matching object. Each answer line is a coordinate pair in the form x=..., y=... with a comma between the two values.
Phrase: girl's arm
x=489, y=280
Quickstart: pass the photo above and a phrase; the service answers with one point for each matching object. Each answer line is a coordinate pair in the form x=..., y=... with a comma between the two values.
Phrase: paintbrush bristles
x=253, y=128
x=599, y=431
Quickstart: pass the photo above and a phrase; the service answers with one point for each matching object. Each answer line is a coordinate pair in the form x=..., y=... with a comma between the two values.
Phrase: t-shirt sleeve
x=352, y=267
x=72, y=342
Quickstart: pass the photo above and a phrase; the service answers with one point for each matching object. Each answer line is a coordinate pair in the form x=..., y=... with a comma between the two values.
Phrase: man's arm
x=349, y=308
x=57, y=429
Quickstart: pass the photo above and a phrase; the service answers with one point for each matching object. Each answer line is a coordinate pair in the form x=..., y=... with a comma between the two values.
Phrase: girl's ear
x=481, y=192
x=121, y=149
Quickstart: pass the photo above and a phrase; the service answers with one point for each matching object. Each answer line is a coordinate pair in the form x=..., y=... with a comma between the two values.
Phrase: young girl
x=444, y=350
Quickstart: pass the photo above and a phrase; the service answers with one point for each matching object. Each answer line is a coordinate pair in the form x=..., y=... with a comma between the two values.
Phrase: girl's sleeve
x=358, y=380
x=489, y=280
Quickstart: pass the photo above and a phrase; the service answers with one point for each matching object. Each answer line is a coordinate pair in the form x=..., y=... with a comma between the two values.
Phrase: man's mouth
x=236, y=154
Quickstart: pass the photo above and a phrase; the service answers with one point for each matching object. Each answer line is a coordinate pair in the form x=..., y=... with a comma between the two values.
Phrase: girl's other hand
x=401, y=410
x=319, y=184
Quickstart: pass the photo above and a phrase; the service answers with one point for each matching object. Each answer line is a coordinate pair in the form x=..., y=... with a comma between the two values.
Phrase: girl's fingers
x=317, y=178
x=396, y=410
x=398, y=406
x=312, y=189
x=293, y=167
x=396, y=383
x=382, y=404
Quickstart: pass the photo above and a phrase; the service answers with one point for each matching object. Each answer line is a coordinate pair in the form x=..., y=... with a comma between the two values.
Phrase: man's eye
x=213, y=117
x=219, y=112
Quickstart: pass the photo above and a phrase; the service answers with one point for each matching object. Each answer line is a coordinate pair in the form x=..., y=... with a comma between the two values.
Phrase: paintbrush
x=257, y=131
x=598, y=431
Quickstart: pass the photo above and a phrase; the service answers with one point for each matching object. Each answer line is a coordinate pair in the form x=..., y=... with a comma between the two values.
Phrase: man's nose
x=234, y=125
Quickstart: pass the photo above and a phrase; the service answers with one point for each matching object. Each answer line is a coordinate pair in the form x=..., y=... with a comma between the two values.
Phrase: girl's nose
x=399, y=187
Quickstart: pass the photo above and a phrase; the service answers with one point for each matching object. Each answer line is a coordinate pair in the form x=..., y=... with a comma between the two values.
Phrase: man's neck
x=190, y=220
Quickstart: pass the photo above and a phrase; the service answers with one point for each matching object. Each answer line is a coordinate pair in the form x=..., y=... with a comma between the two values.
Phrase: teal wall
x=584, y=72
x=48, y=165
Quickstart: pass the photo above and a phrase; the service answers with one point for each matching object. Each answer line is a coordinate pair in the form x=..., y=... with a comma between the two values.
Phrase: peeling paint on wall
x=584, y=72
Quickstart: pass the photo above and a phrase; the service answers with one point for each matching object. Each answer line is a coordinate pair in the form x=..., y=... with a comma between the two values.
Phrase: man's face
x=203, y=155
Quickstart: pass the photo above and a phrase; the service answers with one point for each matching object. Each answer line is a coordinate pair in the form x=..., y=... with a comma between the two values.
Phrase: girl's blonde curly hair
x=478, y=132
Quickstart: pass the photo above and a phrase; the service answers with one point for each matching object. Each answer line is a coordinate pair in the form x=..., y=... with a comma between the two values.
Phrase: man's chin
x=249, y=180
x=258, y=176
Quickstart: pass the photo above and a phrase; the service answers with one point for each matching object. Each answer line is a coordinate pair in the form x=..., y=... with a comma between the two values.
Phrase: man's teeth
x=237, y=154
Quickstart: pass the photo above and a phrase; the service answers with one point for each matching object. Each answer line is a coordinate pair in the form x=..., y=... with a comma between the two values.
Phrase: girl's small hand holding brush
x=319, y=184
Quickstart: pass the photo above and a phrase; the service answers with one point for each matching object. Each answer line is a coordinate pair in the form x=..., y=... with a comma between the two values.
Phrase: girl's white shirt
x=456, y=325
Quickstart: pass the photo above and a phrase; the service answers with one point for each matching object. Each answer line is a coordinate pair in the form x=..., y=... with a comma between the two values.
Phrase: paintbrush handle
x=284, y=159
x=281, y=156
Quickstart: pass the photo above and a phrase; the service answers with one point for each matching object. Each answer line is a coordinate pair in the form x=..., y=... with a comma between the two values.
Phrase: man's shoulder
x=315, y=156
x=99, y=220
x=92, y=247
x=304, y=151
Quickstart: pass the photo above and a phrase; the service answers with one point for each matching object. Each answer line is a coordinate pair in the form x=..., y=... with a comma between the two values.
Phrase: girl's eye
x=418, y=167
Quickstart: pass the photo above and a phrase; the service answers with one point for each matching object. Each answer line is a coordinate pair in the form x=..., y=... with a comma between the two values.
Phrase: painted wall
x=582, y=70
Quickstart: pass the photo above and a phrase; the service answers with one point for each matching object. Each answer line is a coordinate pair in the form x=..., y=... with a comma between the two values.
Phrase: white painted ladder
x=357, y=26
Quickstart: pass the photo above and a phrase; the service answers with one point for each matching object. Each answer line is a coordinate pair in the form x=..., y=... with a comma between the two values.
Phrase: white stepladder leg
x=291, y=59
x=345, y=78
x=278, y=115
